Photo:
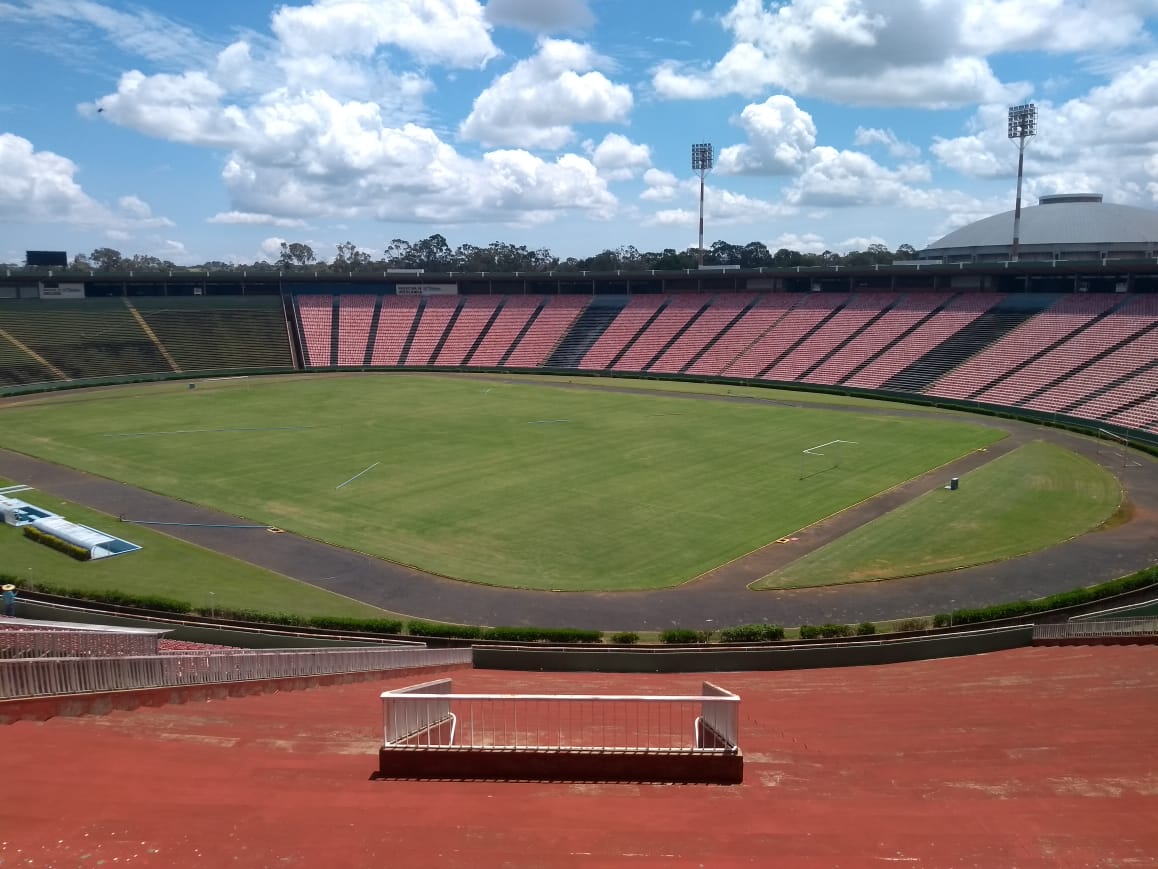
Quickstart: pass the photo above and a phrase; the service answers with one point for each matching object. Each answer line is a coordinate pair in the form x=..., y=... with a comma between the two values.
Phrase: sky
x=217, y=129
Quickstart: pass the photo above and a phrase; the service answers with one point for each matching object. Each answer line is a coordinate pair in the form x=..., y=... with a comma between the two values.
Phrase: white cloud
x=1099, y=141
x=920, y=53
x=847, y=178
x=807, y=242
x=780, y=137
x=139, y=31
x=535, y=103
x=249, y=218
x=721, y=207
x=541, y=16
x=660, y=186
x=41, y=187
x=618, y=158
x=450, y=32
x=869, y=136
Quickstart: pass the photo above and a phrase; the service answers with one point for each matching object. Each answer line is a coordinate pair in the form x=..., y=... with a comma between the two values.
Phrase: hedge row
x=419, y=628
x=751, y=634
x=54, y=542
x=1141, y=579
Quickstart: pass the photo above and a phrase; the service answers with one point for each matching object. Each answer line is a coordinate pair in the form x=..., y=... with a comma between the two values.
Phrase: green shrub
x=830, y=630
x=367, y=626
x=1134, y=581
x=673, y=636
x=942, y=620
x=625, y=638
x=913, y=625
x=809, y=632
x=865, y=629
x=542, y=635
x=751, y=634
x=438, y=629
x=54, y=542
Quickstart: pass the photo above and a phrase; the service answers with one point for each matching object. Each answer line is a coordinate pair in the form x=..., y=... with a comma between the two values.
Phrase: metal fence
x=75, y=644
x=42, y=676
x=432, y=716
x=1105, y=628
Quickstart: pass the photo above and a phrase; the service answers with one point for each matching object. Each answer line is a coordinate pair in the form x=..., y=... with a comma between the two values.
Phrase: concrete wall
x=709, y=660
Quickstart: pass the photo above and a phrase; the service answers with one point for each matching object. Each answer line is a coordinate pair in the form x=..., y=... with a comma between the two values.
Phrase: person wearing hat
x=8, y=595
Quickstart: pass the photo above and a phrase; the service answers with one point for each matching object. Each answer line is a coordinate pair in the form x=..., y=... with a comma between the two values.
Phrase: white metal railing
x=75, y=644
x=431, y=715
x=1105, y=628
x=40, y=676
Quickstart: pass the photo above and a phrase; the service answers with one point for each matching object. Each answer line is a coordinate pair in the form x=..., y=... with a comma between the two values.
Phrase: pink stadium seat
x=706, y=326
x=804, y=316
x=1027, y=340
x=547, y=331
x=675, y=316
x=355, y=313
x=622, y=329
x=954, y=317
x=317, y=315
x=435, y=318
x=472, y=319
x=516, y=311
x=394, y=323
x=1090, y=378
x=861, y=309
x=765, y=314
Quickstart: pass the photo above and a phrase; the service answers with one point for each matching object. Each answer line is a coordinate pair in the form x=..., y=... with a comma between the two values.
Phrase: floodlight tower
x=702, y=163
x=1022, y=125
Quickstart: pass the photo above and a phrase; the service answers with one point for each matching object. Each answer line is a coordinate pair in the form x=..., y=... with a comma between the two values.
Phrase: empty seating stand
x=317, y=316
x=808, y=312
x=956, y=315
x=761, y=317
x=395, y=320
x=678, y=313
x=708, y=325
x=436, y=315
x=512, y=319
x=355, y=314
x=472, y=319
x=625, y=327
x=1023, y=343
x=1112, y=368
x=546, y=331
x=910, y=310
x=1115, y=401
x=219, y=333
x=1063, y=359
x=860, y=309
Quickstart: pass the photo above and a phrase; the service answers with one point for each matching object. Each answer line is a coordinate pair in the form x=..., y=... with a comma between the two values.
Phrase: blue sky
x=214, y=130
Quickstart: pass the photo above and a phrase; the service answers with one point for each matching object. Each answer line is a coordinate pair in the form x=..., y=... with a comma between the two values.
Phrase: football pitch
x=508, y=483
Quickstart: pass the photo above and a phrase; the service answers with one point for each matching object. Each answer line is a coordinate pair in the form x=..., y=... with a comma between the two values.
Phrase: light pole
x=702, y=163
x=1022, y=125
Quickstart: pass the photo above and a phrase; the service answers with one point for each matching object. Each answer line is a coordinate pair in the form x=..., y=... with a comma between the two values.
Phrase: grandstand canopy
x=1071, y=226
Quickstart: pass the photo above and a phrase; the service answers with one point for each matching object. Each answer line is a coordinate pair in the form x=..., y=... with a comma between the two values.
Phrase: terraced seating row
x=219, y=332
x=1092, y=356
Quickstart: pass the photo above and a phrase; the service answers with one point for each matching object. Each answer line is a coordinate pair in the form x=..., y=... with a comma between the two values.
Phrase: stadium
x=940, y=470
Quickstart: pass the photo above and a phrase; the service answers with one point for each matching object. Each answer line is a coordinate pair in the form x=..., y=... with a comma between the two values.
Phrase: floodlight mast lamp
x=1022, y=125
x=702, y=163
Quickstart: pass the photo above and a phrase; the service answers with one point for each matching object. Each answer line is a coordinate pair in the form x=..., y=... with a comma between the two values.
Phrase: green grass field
x=1024, y=501
x=504, y=483
x=166, y=567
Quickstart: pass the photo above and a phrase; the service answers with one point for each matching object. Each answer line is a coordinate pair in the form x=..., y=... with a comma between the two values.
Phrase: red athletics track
x=1036, y=757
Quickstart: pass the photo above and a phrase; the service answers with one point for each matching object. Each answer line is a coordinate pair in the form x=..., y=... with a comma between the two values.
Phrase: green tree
x=295, y=254
x=106, y=259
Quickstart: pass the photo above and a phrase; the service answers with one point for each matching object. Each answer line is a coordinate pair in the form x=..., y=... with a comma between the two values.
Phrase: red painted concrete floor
x=1038, y=757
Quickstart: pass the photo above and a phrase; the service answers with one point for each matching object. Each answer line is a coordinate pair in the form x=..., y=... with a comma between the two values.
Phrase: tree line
x=434, y=254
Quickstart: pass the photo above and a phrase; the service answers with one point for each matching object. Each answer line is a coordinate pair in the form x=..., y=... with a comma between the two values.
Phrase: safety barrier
x=1097, y=629
x=76, y=644
x=49, y=676
x=430, y=731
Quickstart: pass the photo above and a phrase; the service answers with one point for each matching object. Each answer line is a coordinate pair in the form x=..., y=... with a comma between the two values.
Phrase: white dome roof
x=1063, y=221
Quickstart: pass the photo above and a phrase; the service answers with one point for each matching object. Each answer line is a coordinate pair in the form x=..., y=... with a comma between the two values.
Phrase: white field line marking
x=357, y=475
x=811, y=450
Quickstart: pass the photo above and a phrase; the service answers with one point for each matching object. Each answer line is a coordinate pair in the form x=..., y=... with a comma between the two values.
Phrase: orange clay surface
x=1037, y=757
